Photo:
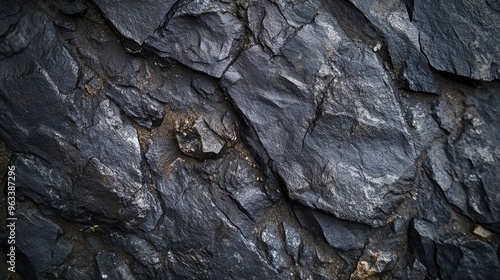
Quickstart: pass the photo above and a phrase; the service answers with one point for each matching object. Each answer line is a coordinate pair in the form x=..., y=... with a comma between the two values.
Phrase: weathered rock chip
x=204, y=36
x=393, y=19
x=349, y=141
x=135, y=21
x=459, y=37
x=45, y=250
x=199, y=141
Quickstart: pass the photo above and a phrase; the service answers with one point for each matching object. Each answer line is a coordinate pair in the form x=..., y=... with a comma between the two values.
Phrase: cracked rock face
x=135, y=22
x=349, y=143
x=457, y=43
x=199, y=141
x=204, y=35
x=270, y=139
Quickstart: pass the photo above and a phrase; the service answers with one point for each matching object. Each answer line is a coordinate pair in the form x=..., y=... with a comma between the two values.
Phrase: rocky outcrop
x=267, y=139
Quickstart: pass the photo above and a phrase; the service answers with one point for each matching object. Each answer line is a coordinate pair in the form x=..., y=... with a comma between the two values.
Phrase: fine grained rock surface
x=269, y=139
x=458, y=43
x=132, y=21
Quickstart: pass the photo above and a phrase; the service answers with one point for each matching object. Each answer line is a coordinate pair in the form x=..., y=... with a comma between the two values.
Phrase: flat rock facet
x=349, y=143
x=206, y=40
x=459, y=37
x=135, y=21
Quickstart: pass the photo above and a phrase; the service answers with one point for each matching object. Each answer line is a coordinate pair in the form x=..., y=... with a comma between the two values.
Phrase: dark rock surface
x=132, y=21
x=253, y=139
x=459, y=37
x=199, y=140
x=397, y=34
x=203, y=35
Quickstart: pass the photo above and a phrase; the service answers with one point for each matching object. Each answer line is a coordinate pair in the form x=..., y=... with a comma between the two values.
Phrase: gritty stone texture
x=133, y=21
x=459, y=36
x=204, y=35
x=260, y=139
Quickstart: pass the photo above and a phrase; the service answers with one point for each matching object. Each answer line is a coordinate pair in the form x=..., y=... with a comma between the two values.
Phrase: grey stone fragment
x=162, y=152
x=339, y=234
x=449, y=112
x=298, y=13
x=45, y=250
x=203, y=38
x=135, y=21
x=421, y=239
x=199, y=231
x=415, y=272
x=459, y=37
x=190, y=144
x=344, y=116
x=441, y=172
x=242, y=180
x=453, y=256
x=113, y=266
x=45, y=185
x=271, y=237
x=115, y=158
x=382, y=253
x=420, y=115
x=140, y=249
x=111, y=62
x=269, y=25
x=293, y=240
x=142, y=108
x=394, y=21
x=477, y=145
x=62, y=69
x=180, y=90
x=10, y=13
x=465, y=169
x=385, y=261
x=319, y=261
x=26, y=29
x=97, y=188
x=400, y=226
x=211, y=143
x=465, y=258
x=34, y=39
x=224, y=123
x=199, y=141
x=71, y=7
x=38, y=129
x=58, y=129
